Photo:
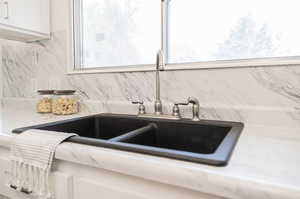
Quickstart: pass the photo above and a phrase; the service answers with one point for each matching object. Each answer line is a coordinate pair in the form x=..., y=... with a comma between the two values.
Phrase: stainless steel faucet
x=158, y=112
x=159, y=66
x=196, y=108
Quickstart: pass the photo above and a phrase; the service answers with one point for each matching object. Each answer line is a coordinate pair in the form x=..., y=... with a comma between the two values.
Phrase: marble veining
x=282, y=80
x=240, y=94
x=3, y=197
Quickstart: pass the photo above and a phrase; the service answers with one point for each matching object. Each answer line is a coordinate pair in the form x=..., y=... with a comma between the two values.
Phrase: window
x=208, y=30
x=122, y=33
x=116, y=32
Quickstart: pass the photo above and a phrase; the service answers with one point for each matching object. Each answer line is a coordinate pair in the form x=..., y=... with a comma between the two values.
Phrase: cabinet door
x=62, y=184
x=4, y=12
x=30, y=15
x=4, y=168
x=85, y=188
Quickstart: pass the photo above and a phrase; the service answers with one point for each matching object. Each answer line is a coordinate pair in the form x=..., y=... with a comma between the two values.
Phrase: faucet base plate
x=160, y=116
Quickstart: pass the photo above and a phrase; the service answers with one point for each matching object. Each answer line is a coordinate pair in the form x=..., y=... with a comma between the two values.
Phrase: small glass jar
x=44, y=103
x=65, y=102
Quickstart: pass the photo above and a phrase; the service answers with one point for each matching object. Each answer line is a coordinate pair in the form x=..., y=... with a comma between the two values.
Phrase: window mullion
x=77, y=34
x=164, y=29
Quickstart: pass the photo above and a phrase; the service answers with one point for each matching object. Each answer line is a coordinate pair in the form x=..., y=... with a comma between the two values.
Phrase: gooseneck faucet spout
x=158, y=109
x=159, y=66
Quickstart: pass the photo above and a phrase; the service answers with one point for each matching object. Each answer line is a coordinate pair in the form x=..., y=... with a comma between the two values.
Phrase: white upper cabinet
x=25, y=20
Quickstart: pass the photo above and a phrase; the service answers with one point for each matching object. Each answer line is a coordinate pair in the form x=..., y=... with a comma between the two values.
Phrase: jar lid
x=45, y=92
x=64, y=92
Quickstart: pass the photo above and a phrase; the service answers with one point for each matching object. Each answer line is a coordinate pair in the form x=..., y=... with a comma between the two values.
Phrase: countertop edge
x=173, y=172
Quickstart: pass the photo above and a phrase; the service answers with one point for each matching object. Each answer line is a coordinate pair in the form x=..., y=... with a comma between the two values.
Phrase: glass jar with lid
x=44, y=104
x=65, y=102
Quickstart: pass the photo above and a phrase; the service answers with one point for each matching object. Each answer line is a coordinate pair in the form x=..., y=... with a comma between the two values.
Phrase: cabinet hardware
x=6, y=10
x=22, y=189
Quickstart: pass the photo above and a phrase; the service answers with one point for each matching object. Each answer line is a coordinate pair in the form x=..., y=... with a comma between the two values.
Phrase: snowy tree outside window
x=210, y=30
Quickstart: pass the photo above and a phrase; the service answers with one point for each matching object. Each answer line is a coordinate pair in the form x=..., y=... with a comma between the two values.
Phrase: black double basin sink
x=208, y=142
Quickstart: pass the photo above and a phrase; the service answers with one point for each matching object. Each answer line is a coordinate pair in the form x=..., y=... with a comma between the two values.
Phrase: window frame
x=236, y=63
x=75, y=47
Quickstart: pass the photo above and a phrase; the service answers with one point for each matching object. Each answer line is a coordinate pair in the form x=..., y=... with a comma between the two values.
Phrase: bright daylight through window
x=116, y=32
x=207, y=30
x=127, y=32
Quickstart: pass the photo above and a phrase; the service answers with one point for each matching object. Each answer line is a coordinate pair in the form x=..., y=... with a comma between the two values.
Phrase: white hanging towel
x=32, y=154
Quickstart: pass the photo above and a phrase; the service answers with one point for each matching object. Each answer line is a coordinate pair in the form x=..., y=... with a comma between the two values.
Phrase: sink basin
x=209, y=142
x=189, y=137
x=96, y=126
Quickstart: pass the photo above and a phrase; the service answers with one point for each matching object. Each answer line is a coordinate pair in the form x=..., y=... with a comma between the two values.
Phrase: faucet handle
x=176, y=110
x=142, y=108
x=181, y=103
x=137, y=102
x=196, y=106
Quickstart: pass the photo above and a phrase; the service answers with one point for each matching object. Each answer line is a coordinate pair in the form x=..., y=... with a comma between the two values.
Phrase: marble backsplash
x=3, y=197
x=241, y=94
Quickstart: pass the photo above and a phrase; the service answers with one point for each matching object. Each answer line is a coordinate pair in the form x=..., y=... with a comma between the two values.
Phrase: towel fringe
x=31, y=161
x=31, y=178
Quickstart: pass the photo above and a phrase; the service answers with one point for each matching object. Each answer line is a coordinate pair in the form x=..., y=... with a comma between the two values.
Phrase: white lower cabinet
x=84, y=188
x=109, y=185
x=62, y=185
x=74, y=181
x=66, y=186
x=3, y=175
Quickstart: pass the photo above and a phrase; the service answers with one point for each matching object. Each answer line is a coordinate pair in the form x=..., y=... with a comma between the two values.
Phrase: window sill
x=114, y=69
x=242, y=63
x=245, y=63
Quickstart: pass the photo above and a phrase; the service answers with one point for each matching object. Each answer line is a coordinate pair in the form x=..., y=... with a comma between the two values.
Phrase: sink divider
x=149, y=127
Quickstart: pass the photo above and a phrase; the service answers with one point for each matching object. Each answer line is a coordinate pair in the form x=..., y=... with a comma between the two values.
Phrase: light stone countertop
x=265, y=163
